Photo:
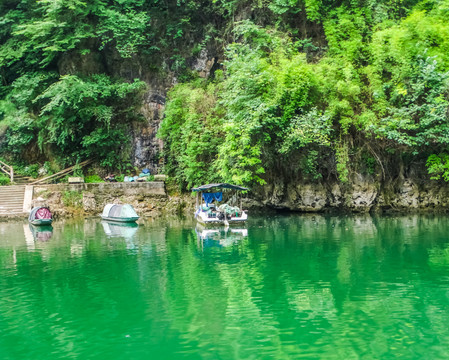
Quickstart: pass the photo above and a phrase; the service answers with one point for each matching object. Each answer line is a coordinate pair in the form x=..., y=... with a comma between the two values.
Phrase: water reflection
x=41, y=233
x=123, y=230
x=223, y=236
x=285, y=287
x=113, y=229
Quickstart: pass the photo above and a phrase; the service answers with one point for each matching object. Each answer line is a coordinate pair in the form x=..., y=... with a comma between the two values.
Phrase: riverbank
x=71, y=200
x=152, y=199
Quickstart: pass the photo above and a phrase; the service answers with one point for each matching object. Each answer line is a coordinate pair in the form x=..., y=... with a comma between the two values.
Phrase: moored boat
x=119, y=213
x=40, y=215
x=210, y=212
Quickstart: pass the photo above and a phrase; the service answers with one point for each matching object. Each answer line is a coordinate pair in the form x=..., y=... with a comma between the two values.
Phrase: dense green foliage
x=308, y=89
x=193, y=132
x=4, y=180
x=77, y=117
x=51, y=107
x=379, y=91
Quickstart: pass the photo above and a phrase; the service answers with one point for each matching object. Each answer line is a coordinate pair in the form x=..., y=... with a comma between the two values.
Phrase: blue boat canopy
x=209, y=197
x=220, y=186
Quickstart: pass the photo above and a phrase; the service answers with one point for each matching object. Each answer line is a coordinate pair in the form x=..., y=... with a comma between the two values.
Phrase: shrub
x=4, y=180
x=93, y=179
x=120, y=178
x=72, y=198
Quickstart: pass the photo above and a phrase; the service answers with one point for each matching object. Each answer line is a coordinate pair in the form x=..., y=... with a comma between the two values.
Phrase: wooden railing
x=8, y=170
x=61, y=173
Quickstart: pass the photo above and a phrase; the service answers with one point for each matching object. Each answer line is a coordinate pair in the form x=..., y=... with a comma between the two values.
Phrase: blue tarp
x=209, y=197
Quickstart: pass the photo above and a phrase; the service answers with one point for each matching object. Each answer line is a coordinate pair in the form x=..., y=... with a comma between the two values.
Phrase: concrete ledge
x=28, y=198
x=75, y=180
x=13, y=216
x=160, y=177
x=156, y=188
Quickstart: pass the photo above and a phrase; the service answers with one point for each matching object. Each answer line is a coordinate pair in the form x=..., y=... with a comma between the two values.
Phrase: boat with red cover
x=40, y=215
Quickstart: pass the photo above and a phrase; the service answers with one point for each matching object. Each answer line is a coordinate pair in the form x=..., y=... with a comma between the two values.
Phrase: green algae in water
x=281, y=288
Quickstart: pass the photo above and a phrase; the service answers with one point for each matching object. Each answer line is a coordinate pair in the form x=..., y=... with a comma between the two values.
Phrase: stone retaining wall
x=148, y=198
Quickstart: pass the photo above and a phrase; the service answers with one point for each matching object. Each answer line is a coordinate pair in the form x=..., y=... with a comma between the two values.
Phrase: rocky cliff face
x=157, y=74
x=146, y=147
x=363, y=194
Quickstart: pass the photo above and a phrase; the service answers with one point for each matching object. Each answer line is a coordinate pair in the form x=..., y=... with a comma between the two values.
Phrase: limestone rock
x=89, y=203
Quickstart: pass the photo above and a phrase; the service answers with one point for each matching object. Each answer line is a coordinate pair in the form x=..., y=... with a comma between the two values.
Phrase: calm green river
x=282, y=287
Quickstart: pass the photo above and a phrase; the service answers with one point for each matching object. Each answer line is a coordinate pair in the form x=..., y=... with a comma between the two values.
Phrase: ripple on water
x=293, y=287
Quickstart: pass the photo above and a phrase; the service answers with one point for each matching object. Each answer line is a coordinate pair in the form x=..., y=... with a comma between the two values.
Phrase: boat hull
x=219, y=222
x=41, y=222
x=121, y=220
x=202, y=218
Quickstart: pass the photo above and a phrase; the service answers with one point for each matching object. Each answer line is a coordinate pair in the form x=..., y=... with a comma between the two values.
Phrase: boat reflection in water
x=42, y=232
x=116, y=229
x=220, y=237
x=125, y=230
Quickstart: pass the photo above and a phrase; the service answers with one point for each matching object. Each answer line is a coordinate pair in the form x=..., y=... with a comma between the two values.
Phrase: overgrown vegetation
x=72, y=199
x=4, y=180
x=93, y=179
x=379, y=91
x=52, y=107
x=307, y=89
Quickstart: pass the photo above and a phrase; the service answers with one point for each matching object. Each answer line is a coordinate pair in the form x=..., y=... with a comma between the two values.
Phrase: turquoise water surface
x=282, y=287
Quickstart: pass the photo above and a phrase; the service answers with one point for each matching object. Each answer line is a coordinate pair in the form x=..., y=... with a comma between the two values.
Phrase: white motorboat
x=209, y=211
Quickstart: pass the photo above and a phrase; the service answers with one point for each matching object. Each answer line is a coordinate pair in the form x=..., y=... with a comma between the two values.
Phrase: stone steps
x=11, y=199
x=21, y=180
